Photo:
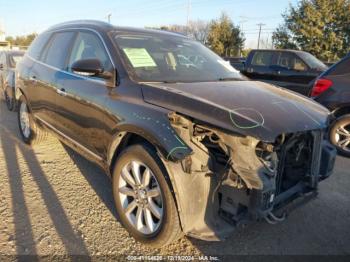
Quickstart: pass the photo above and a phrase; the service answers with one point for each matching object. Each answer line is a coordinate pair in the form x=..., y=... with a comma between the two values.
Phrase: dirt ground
x=54, y=202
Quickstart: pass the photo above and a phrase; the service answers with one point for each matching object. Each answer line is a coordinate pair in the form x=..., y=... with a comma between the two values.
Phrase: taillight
x=320, y=86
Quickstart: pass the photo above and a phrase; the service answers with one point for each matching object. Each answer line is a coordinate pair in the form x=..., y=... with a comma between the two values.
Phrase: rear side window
x=262, y=58
x=36, y=47
x=56, y=52
x=342, y=68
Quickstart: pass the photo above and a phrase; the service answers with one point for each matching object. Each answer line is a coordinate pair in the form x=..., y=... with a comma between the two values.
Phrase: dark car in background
x=8, y=61
x=332, y=89
x=190, y=144
x=291, y=69
x=236, y=62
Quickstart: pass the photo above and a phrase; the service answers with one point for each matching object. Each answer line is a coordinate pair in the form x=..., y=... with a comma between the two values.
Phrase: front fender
x=156, y=130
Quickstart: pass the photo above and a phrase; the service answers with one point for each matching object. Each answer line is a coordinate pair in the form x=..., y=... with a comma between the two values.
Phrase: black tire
x=343, y=121
x=10, y=99
x=36, y=134
x=169, y=229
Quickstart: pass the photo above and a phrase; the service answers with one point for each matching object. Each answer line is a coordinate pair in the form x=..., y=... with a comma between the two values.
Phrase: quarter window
x=262, y=58
x=56, y=52
x=87, y=46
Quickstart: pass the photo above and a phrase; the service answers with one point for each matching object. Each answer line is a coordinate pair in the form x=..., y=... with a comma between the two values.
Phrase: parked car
x=192, y=148
x=236, y=62
x=291, y=69
x=8, y=61
x=332, y=89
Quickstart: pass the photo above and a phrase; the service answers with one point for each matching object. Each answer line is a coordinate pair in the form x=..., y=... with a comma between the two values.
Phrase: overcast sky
x=20, y=17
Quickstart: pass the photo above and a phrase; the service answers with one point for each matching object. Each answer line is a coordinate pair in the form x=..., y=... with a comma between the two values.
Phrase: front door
x=81, y=100
x=292, y=73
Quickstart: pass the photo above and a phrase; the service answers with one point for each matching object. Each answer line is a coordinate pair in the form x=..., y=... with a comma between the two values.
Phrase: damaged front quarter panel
x=218, y=160
x=230, y=179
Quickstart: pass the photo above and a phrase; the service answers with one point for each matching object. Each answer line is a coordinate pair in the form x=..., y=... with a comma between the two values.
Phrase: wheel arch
x=164, y=141
x=342, y=110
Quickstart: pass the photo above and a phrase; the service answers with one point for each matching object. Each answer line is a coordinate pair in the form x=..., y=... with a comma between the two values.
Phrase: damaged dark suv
x=190, y=144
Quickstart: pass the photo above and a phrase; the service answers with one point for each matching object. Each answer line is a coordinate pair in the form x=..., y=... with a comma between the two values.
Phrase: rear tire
x=340, y=135
x=10, y=100
x=30, y=132
x=154, y=229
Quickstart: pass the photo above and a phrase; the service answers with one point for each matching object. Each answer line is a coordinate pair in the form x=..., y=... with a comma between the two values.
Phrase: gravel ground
x=54, y=202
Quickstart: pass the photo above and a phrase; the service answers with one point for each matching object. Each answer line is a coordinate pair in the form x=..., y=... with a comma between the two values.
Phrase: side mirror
x=88, y=67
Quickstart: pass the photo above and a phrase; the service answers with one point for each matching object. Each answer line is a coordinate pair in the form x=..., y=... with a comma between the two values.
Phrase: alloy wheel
x=342, y=137
x=141, y=197
x=24, y=120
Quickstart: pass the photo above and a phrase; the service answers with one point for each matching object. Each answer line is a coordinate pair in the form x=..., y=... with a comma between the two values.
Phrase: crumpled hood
x=247, y=107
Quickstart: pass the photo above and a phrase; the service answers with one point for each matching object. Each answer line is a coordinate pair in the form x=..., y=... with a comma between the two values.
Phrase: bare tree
x=198, y=30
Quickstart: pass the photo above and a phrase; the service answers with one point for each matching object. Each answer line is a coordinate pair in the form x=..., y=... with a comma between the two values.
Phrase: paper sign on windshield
x=139, y=57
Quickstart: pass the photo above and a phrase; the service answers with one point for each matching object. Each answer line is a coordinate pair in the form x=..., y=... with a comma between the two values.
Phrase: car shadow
x=25, y=243
x=97, y=179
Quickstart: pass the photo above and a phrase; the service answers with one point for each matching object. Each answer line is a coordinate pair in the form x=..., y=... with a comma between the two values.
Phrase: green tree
x=321, y=27
x=224, y=37
x=21, y=40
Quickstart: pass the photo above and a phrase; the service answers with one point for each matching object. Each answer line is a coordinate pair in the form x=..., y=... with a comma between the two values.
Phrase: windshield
x=164, y=58
x=14, y=59
x=312, y=61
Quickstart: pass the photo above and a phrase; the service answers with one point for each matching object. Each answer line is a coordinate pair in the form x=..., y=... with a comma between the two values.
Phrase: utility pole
x=244, y=20
x=109, y=18
x=188, y=15
x=260, y=25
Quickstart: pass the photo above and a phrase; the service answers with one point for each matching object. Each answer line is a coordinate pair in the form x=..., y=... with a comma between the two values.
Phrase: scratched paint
x=251, y=118
x=180, y=146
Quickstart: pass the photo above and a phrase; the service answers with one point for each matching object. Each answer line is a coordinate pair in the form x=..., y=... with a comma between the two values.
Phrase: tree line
x=321, y=27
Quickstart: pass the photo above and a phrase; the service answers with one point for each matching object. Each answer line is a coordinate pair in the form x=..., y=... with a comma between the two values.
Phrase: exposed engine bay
x=251, y=179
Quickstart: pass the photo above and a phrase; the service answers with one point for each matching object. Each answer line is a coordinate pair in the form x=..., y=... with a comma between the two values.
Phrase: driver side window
x=291, y=61
x=87, y=46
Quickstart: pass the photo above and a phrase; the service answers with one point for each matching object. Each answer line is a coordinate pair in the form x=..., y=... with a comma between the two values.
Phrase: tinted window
x=312, y=61
x=342, y=68
x=291, y=61
x=36, y=47
x=262, y=58
x=56, y=52
x=89, y=45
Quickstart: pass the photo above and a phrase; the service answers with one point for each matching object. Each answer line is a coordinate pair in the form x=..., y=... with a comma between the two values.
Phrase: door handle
x=61, y=92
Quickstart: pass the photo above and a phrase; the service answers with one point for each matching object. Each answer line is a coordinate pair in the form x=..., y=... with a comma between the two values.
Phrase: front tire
x=31, y=134
x=340, y=135
x=143, y=198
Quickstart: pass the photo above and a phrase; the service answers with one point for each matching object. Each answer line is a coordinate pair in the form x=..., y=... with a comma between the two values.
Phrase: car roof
x=106, y=27
x=280, y=50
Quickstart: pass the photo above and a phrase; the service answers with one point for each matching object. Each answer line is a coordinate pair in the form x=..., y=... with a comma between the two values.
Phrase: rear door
x=80, y=104
x=45, y=76
x=258, y=67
